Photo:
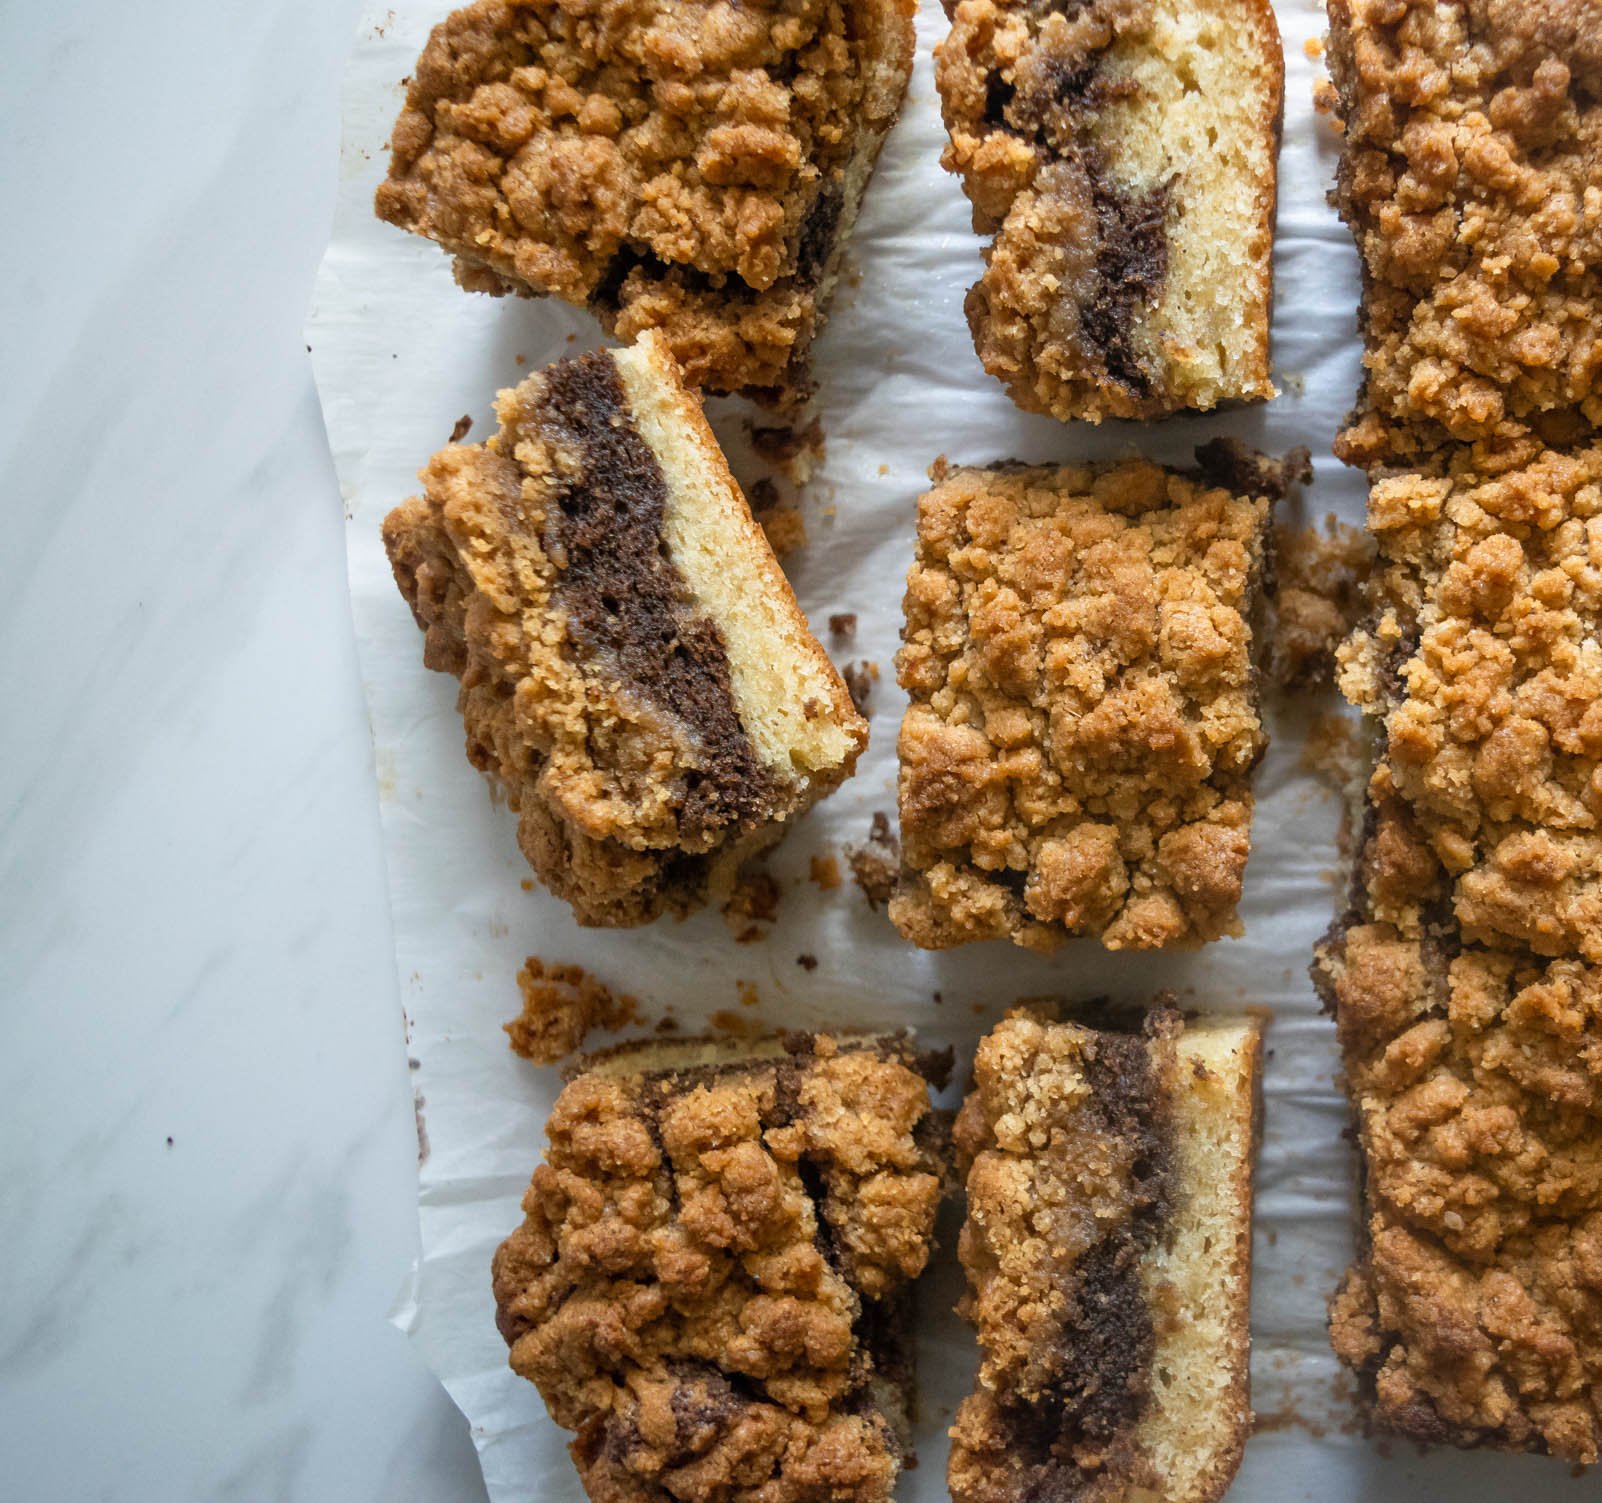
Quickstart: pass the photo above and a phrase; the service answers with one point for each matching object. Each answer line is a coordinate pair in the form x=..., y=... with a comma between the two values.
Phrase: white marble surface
x=194, y=943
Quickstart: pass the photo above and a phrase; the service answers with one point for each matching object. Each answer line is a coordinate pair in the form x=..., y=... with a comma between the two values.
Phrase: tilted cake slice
x=684, y=165
x=1108, y=1250
x=711, y=1282
x=1124, y=155
x=635, y=671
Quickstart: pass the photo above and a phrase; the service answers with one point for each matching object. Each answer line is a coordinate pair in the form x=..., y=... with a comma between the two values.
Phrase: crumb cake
x=1473, y=1314
x=1123, y=154
x=1319, y=576
x=1108, y=1251
x=693, y=166
x=635, y=672
x=1466, y=973
x=711, y=1284
x=1481, y=666
x=1470, y=178
x=1078, y=649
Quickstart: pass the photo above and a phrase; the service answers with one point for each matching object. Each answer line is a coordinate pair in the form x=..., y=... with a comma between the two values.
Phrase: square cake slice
x=1124, y=155
x=685, y=165
x=1078, y=648
x=635, y=672
x=1108, y=1250
x=711, y=1284
x=1480, y=665
x=1472, y=132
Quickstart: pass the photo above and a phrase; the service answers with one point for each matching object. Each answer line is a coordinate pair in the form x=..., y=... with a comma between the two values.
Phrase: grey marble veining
x=207, y=1150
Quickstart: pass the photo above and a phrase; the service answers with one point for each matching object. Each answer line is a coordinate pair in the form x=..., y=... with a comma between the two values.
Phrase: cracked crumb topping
x=1122, y=154
x=1470, y=178
x=1083, y=725
x=704, y=1285
x=1483, y=657
x=1475, y=1311
x=686, y=166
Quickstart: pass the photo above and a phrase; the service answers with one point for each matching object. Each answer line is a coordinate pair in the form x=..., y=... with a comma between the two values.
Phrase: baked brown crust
x=1465, y=978
x=1482, y=664
x=707, y=1284
x=694, y=167
x=1077, y=754
x=1471, y=177
x=597, y=689
x=1071, y=314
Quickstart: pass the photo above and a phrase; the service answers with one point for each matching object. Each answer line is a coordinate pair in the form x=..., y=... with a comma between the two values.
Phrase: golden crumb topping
x=1476, y=1310
x=1472, y=179
x=678, y=166
x=693, y=1285
x=1484, y=659
x=1083, y=725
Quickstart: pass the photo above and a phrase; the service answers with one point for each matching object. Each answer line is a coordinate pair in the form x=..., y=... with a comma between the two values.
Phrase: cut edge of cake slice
x=1200, y=1417
x=1132, y=1375
x=635, y=669
x=1125, y=158
x=804, y=728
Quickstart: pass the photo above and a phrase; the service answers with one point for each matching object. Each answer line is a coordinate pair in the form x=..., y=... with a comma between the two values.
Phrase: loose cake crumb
x=463, y=426
x=754, y=902
x=876, y=865
x=796, y=451
x=843, y=624
x=780, y=520
x=561, y=1004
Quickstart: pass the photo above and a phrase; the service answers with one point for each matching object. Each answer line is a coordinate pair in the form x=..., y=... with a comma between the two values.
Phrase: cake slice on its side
x=1124, y=154
x=1108, y=1250
x=711, y=1282
x=635, y=671
x=683, y=165
x=1079, y=652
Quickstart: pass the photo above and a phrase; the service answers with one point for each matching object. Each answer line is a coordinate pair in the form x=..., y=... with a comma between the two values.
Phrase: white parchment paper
x=401, y=353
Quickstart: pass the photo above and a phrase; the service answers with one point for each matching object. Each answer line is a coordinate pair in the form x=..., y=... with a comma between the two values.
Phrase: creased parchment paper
x=401, y=354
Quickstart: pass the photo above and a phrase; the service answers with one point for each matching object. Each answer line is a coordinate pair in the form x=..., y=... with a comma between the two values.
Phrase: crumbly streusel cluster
x=1483, y=664
x=1466, y=977
x=1475, y=1310
x=1084, y=719
x=694, y=1284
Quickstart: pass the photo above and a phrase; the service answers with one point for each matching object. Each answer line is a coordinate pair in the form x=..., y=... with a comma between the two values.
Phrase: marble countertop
x=207, y=1152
